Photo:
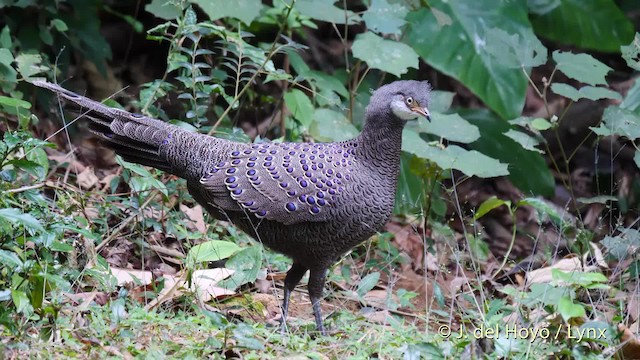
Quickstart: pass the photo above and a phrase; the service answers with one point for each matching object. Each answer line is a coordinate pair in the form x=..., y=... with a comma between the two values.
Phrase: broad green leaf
x=471, y=163
x=382, y=54
x=325, y=10
x=300, y=106
x=631, y=53
x=59, y=25
x=385, y=18
x=212, y=250
x=15, y=216
x=528, y=170
x=593, y=24
x=631, y=101
x=164, y=9
x=585, y=92
x=367, y=283
x=6, y=57
x=440, y=101
x=542, y=7
x=544, y=209
x=620, y=245
x=541, y=124
x=30, y=64
x=243, y=10
x=246, y=264
x=619, y=121
x=582, y=67
x=527, y=141
x=515, y=51
x=14, y=103
x=329, y=125
x=459, y=50
x=9, y=258
x=636, y=158
x=451, y=127
x=488, y=205
x=580, y=278
x=569, y=310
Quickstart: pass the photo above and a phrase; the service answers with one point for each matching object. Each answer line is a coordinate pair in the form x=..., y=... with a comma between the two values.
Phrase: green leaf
x=472, y=163
x=9, y=258
x=593, y=24
x=367, y=283
x=14, y=103
x=243, y=10
x=30, y=64
x=386, y=55
x=488, y=205
x=440, y=101
x=459, y=50
x=212, y=250
x=514, y=51
x=164, y=9
x=527, y=141
x=451, y=127
x=619, y=121
x=541, y=124
x=528, y=170
x=385, y=18
x=300, y=106
x=636, y=158
x=585, y=92
x=15, y=216
x=631, y=101
x=542, y=7
x=324, y=10
x=569, y=310
x=246, y=264
x=631, y=53
x=582, y=67
x=6, y=58
x=59, y=25
x=329, y=125
x=543, y=208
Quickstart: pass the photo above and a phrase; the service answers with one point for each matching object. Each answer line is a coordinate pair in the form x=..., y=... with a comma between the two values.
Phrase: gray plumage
x=311, y=202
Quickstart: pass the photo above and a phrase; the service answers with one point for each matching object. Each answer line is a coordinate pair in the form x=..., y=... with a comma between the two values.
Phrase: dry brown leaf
x=630, y=345
x=125, y=276
x=87, y=178
x=196, y=215
x=379, y=298
x=543, y=275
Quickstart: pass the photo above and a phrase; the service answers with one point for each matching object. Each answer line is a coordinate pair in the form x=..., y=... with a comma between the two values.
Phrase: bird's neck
x=381, y=146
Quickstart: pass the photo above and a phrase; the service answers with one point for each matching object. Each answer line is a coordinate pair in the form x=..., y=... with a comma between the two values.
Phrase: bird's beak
x=422, y=111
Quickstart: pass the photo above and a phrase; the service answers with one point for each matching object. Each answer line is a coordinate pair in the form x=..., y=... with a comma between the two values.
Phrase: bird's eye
x=409, y=100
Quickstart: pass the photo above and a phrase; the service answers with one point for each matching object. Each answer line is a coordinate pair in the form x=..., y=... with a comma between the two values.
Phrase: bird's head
x=399, y=102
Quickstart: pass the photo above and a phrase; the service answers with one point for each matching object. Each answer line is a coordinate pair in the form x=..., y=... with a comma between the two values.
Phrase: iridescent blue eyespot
x=236, y=162
x=248, y=203
x=251, y=172
x=321, y=202
x=269, y=158
x=291, y=193
x=302, y=198
x=311, y=200
x=289, y=169
x=303, y=183
x=231, y=171
x=237, y=191
x=320, y=194
x=262, y=151
x=291, y=206
x=230, y=180
x=235, y=153
x=247, y=152
x=253, y=158
x=332, y=191
x=262, y=213
x=305, y=167
x=283, y=185
x=232, y=186
x=251, y=164
x=315, y=209
x=273, y=152
x=135, y=115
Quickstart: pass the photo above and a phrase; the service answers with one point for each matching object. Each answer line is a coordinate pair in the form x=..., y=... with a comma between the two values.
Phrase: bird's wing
x=285, y=182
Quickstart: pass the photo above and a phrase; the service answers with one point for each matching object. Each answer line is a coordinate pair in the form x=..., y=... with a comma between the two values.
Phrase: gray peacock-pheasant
x=310, y=201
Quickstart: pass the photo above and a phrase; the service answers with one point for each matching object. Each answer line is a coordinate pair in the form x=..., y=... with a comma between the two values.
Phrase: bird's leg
x=316, y=285
x=293, y=278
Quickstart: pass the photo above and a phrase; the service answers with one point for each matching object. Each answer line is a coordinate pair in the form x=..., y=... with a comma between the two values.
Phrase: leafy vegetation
x=511, y=78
